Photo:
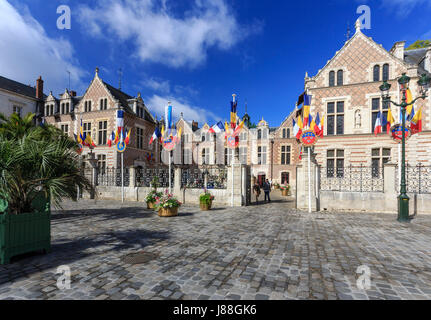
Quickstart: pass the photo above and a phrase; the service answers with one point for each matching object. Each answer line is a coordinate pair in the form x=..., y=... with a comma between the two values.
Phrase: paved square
x=257, y=252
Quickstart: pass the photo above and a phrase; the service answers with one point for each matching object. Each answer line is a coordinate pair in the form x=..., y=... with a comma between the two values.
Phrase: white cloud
x=162, y=86
x=157, y=104
x=164, y=37
x=27, y=52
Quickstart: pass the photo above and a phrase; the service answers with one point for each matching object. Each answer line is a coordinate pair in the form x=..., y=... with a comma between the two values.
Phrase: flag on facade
x=233, y=112
x=238, y=129
x=378, y=125
x=226, y=129
x=295, y=127
x=217, y=128
x=390, y=121
x=317, y=126
x=120, y=121
x=300, y=126
x=82, y=135
x=411, y=115
x=127, y=140
x=168, y=117
x=416, y=123
x=156, y=135
x=300, y=153
x=409, y=99
x=307, y=104
x=322, y=127
x=111, y=139
x=311, y=122
x=122, y=137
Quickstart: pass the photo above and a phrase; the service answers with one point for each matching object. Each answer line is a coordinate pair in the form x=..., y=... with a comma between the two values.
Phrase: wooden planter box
x=150, y=205
x=168, y=212
x=205, y=206
x=26, y=232
x=284, y=193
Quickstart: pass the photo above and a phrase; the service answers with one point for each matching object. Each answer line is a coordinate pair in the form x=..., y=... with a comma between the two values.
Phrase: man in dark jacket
x=267, y=189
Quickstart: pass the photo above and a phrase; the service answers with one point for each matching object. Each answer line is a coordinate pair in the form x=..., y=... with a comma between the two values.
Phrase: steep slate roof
x=123, y=99
x=416, y=57
x=17, y=87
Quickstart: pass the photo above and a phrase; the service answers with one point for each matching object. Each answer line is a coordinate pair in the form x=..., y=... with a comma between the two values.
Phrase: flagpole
x=232, y=172
x=170, y=173
x=309, y=179
x=122, y=177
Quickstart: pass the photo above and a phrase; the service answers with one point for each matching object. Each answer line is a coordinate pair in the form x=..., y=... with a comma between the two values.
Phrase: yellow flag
x=409, y=100
x=300, y=125
x=163, y=131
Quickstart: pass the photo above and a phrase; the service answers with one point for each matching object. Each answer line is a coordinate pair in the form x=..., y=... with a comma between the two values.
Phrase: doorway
x=261, y=179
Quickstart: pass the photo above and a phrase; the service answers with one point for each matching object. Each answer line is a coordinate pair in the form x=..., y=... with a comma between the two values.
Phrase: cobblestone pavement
x=257, y=252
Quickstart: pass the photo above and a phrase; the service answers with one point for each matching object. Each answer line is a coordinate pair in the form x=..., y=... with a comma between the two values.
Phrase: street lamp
x=404, y=80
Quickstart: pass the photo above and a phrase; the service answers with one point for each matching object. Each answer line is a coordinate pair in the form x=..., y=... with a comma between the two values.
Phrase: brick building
x=346, y=91
x=97, y=108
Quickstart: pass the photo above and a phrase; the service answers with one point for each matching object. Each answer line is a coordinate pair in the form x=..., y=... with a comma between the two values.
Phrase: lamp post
x=404, y=80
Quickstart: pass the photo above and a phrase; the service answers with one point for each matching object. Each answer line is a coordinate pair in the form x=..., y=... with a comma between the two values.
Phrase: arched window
x=376, y=73
x=386, y=72
x=339, y=77
x=332, y=78
x=259, y=134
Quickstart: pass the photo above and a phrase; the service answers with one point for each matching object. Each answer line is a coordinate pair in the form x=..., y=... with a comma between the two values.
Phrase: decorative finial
x=234, y=96
x=97, y=71
x=306, y=74
x=181, y=114
x=358, y=26
x=139, y=94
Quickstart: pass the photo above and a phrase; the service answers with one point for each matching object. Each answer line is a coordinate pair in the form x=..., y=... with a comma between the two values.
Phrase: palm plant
x=15, y=126
x=37, y=159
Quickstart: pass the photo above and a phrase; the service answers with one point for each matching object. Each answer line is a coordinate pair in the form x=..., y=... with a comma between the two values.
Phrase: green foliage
x=286, y=187
x=153, y=196
x=206, y=198
x=253, y=125
x=34, y=159
x=155, y=183
x=167, y=201
x=418, y=44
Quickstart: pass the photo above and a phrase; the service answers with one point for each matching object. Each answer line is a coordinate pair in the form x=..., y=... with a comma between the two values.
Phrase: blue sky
x=195, y=53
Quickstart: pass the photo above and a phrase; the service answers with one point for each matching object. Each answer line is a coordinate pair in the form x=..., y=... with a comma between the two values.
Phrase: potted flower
x=276, y=186
x=152, y=197
x=206, y=200
x=285, y=190
x=167, y=205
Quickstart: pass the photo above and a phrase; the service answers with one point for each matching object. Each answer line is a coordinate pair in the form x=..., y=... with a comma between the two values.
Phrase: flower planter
x=168, y=212
x=285, y=193
x=205, y=206
x=26, y=232
x=150, y=205
x=276, y=187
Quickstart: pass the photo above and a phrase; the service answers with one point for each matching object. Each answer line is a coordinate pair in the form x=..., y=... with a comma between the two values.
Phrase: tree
x=418, y=44
x=36, y=159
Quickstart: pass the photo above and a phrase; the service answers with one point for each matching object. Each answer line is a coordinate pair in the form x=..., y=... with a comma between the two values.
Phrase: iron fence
x=144, y=177
x=210, y=177
x=418, y=179
x=352, y=179
x=107, y=177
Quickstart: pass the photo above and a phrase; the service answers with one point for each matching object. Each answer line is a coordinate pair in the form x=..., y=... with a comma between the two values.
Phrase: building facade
x=346, y=92
x=97, y=110
x=19, y=98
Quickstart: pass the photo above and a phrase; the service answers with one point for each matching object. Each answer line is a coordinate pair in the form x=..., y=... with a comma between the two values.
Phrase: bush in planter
x=205, y=200
x=167, y=205
x=285, y=189
x=152, y=197
x=38, y=164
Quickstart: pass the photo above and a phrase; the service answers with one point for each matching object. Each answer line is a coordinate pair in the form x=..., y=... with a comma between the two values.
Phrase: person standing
x=256, y=191
x=267, y=190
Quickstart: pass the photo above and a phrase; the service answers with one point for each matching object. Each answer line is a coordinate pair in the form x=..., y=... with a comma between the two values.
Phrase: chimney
x=39, y=88
x=72, y=93
x=398, y=50
x=195, y=125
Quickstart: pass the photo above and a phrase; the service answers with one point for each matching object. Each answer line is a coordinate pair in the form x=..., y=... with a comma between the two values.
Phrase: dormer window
x=103, y=104
x=339, y=77
x=140, y=111
x=65, y=108
x=87, y=106
x=332, y=78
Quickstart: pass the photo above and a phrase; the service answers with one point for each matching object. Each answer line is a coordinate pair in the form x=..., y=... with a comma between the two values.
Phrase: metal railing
x=352, y=179
x=144, y=177
x=210, y=177
x=418, y=179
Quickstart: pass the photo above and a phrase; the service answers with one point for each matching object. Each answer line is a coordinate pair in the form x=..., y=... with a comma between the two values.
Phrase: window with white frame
x=285, y=155
x=285, y=133
x=376, y=108
x=103, y=132
x=205, y=156
x=103, y=105
x=335, y=163
x=243, y=155
x=227, y=156
x=261, y=155
x=86, y=128
x=139, y=138
x=335, y=118
x=65, y=128
x=17, y=110
x=101, y=163
x=187, y=156
x=379, y=156
x=87, y=106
